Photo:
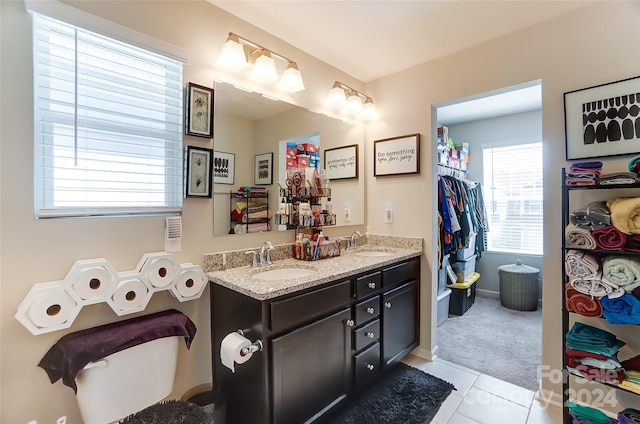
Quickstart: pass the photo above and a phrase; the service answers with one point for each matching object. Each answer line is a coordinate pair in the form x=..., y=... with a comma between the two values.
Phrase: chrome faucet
x=353, y=241
x=254, y=262
x=266, y=260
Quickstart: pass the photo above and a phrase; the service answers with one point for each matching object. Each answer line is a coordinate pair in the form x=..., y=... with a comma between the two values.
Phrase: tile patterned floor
x=481, y=399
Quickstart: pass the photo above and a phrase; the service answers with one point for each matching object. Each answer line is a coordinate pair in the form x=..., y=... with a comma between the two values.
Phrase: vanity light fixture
x=351, y=100
x=238, y=53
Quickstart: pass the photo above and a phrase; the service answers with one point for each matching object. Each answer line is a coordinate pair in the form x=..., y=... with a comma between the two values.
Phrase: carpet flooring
x=494, y=340
x=404, y=395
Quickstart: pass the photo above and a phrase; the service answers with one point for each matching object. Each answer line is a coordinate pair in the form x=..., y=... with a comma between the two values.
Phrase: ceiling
x=370, y=39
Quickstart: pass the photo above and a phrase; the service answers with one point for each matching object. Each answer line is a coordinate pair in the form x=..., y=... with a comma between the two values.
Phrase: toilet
x=127, y=381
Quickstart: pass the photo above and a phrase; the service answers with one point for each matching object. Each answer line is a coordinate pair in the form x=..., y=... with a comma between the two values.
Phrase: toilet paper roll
x=189, y=283
x=231, y=350
x=51, y=309
x=93, y=283
x=160, y=272
x=129, y=294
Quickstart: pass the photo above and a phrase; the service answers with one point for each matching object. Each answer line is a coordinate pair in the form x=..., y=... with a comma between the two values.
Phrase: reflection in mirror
x=247, y=125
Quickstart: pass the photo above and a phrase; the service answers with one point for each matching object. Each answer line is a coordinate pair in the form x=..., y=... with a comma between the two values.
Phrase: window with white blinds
x=512, y=193
x=108, y=125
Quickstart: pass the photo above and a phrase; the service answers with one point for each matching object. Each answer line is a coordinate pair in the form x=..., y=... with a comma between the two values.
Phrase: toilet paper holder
x=253, y=347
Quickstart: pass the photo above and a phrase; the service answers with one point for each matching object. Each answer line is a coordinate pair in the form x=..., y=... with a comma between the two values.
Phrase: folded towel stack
x=632, y=374
x=583, y=173
x=623, y=178
x=592, y=354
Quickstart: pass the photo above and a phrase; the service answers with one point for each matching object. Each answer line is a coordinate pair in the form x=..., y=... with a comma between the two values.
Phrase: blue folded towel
x=621, y=310
x=592, y=339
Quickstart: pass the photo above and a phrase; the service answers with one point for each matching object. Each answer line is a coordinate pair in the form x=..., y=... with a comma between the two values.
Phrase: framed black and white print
x=198, y=172
x=199, y=111
x=396, y=155
x=603, y=120
x=263, y=173
x=223, y=167
x=341, y=163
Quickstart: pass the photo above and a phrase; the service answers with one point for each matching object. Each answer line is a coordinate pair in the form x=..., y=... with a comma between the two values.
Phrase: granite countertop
x=351, y=262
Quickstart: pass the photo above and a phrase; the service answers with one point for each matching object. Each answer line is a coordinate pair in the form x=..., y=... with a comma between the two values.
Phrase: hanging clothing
x=461, y=208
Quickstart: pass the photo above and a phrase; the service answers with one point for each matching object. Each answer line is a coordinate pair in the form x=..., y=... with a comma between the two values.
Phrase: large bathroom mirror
x=249, y=126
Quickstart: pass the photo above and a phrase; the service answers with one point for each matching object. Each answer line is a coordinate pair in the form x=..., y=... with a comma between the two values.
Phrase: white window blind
x=108, y=125
x=512, y=192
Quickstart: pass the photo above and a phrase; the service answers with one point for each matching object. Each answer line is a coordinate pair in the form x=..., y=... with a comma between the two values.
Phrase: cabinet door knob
x=372, y=285
x=350, y=323
x=371, y=311
x=370, y=367
x=387, y=305
x=370, y=335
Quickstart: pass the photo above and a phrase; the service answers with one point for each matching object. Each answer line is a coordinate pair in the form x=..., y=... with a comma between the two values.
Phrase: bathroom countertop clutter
x=289, y=275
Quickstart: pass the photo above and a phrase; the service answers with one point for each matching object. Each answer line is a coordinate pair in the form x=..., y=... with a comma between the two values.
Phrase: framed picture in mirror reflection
x=341, y=163
x=263, y=174
x=198, y=172
x=223, y=167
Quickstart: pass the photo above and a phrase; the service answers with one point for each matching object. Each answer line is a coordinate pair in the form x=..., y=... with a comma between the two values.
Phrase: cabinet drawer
x=367, y=285
x=366, y=335
x=367, y=310
x=401, y=273
x=307, y=307
x=367, y=365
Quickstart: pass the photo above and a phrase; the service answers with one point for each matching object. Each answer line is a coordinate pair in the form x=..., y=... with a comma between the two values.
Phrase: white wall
x=571, y=52
x=36, y=251
x=525, y=126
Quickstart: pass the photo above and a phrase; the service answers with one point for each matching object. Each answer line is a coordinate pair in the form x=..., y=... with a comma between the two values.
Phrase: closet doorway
x=489, y=132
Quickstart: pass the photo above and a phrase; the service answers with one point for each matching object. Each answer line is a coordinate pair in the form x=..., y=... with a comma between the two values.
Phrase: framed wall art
x=199, y=111
x=396, y=155
x=198, y=172
x=603, y=120
x=223, y=167
x=341, y=163
x=263, y=172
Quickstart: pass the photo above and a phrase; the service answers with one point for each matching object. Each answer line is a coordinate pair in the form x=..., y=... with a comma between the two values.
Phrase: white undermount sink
x=283, y=274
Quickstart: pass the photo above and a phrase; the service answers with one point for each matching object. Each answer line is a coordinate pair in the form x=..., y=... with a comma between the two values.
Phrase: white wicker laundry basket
x=519, y=286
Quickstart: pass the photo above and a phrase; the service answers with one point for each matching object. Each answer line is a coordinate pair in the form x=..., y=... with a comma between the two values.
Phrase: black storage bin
x=462, y=295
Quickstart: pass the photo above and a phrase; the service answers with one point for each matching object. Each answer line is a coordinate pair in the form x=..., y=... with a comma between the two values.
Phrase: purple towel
x=74, y=351
x=595, y=164
x=629, y=416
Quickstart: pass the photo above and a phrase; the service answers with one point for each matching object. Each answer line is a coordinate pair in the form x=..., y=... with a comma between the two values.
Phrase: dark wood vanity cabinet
x=321, y=345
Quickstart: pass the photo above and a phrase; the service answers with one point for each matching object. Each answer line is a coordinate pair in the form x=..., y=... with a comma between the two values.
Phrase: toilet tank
x=127, y=381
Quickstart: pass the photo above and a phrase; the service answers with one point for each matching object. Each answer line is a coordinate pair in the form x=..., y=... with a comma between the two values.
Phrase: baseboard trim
x=423, y=353
x=495, y=294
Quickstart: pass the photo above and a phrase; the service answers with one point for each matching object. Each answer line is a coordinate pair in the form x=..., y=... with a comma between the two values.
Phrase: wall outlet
x=388, y=213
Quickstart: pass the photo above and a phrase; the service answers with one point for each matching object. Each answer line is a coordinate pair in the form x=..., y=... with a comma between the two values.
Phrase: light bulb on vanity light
x=337, y=96
x=354, y=103
x=369, y=110
x=232, y=56
x=264, y=68
x=291, y=80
